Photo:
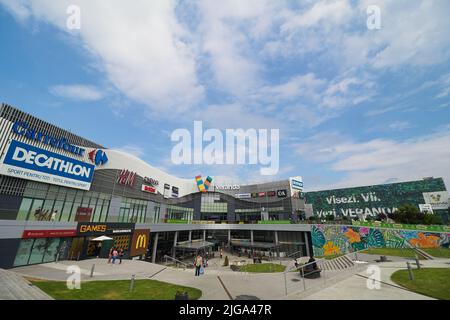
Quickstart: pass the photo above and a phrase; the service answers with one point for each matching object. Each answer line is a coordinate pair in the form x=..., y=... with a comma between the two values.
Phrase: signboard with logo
x=437, y=200
x=32, y=163
x=175, y=191
x=126, y=178
x=426, y=207
x=83, y=214
x=373, y=200
x=261, y=194
x=282, y=193
x=271, y=193
x=242, y=195
x=139, y=244
x=149, y=189
x=48, y=233
x=98, y=229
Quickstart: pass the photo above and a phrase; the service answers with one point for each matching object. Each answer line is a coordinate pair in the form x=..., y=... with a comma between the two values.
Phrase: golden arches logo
x=141, y=241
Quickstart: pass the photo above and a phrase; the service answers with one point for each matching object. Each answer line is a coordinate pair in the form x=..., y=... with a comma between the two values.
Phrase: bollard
x=132, y=283
x=417, y=262
x=92, y=270
x=411, y=275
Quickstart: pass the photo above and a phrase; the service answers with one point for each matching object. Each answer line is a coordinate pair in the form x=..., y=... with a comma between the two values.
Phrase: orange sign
x=140, y=241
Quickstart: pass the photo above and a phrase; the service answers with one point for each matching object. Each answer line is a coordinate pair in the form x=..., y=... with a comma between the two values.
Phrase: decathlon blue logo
x=98, y=157
x=36, y=159
x=297, y=184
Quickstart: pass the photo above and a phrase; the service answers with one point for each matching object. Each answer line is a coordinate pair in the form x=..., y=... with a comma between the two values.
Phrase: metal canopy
x=257, y=245
x=194, y=245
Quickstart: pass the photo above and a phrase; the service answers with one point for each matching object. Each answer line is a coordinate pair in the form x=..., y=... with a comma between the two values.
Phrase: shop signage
x=271, y=193
x=32, y=163
x=438, y=200
x=426, y=207
x=98, y=157
x=148, y=189
x=254, y=194
x=243, y=195
x=282, y=193
x=22, y=128
x=48, y=233
x=139, y=243
x=151, y=181
x=126, y=178
x=175, y=191
x=166, y=186
x=261, y=194
x=296, y=184
x=98, y=229
x=228, y=187
x=83, y=214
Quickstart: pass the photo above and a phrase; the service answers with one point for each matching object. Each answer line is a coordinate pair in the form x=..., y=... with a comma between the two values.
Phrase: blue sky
x=354, y=106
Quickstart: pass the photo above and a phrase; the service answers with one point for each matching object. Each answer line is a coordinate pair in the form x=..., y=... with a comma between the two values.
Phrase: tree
x=329, y=217
x=410, y=214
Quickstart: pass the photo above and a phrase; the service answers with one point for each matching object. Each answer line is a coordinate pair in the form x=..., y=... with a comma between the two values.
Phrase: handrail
x=291, y=254
x=176, y=260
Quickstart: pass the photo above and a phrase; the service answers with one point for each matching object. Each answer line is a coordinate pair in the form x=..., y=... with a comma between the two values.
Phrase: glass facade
x=41, y=250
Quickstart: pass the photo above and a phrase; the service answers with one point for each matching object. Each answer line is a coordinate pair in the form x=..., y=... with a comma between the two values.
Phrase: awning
x=102, y=238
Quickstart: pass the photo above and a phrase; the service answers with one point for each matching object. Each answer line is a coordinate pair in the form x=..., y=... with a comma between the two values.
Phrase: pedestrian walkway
x=15, y=287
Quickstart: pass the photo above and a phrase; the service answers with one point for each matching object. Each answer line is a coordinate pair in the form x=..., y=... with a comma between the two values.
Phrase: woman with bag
x=198, y=264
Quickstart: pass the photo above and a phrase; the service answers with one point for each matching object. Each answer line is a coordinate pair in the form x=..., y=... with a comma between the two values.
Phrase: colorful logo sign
x=203, y=186
x=149, y=189
x=32, y=163
x=98, y=157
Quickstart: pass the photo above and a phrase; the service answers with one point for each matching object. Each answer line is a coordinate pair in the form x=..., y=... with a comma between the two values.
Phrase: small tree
x=330, y=217
x=226, y=262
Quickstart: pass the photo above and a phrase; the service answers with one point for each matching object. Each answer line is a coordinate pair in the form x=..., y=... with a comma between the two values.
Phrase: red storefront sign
x=261, y=194
x=48, y=233
x=149, y=189
x=83, y=214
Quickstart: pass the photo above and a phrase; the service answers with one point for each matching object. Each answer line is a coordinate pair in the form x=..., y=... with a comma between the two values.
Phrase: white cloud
x=134, y=150
x=142, y=48
x=77, y=92
x=400, y=125
x=380, y=160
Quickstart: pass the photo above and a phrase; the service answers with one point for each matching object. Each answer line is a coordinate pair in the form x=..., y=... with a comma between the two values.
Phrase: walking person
x=120, y=256
x=221, y=253
x=115, y=254
x=198, y=263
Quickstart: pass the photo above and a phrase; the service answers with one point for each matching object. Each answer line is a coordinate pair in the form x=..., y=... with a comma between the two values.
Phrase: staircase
x=339, y=263
x=14, y=287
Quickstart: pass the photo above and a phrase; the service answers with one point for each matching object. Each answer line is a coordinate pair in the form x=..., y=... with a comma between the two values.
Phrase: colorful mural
x=332, y=240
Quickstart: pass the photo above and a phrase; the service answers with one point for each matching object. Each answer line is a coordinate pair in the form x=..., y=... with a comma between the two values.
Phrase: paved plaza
x=220, y=282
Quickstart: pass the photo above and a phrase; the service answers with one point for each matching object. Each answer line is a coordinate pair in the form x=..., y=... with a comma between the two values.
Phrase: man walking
x=114, y=256
x=120, y=256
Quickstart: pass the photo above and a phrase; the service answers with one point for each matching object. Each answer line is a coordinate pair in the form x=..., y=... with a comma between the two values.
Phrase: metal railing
x=302, y=278
x=177, y=262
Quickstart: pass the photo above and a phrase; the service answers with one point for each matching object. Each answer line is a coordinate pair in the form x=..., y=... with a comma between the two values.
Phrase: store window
x=38, y=251
x=51, y=250
x=23, y=254
x=25, y=208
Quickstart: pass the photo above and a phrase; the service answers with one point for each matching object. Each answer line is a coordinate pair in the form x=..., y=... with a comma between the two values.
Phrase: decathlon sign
x=22, y=128
x=33, y=163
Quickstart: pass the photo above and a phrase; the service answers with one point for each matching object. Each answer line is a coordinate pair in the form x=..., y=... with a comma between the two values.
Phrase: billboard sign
x=372, y=200
x=32, y=163
x=437, y=200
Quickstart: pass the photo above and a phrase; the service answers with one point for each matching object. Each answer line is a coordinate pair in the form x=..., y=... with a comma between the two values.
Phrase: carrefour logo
x=98, y=157
x=32, y=158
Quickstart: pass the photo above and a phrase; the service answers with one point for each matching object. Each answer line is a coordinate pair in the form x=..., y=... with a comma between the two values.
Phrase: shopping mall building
x=60, y=193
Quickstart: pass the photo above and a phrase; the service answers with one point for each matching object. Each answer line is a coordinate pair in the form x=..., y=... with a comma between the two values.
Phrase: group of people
x=115, y=254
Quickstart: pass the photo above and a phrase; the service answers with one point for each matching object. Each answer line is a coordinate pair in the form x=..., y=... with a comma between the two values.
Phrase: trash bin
x=181, y=296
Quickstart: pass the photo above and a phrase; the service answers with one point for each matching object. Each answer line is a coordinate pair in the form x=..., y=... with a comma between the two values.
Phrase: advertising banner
x=373, y=200
x=83, y=214
x=32, y=163
x=431, y=228
x=48, y=233
x=437, y=200
x=139, y=244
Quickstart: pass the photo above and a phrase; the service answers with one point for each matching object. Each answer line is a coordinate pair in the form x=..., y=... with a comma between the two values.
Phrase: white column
x=175, y=240
x=204, y=235
x=251, y=236
x=307, y=244
x=155, y=246
x=190, y=235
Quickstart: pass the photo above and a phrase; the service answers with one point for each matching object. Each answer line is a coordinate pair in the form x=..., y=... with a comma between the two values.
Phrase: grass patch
x=395, y=252
x=432, y=282
x=116, y=290
x=262, y=268
x=438, y=252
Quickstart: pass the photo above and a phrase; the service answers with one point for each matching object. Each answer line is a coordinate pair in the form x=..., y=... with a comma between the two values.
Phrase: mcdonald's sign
x=140, y=242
